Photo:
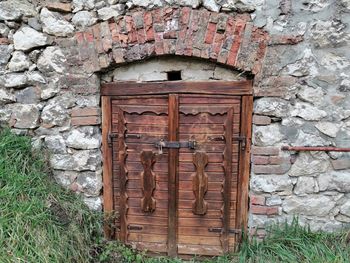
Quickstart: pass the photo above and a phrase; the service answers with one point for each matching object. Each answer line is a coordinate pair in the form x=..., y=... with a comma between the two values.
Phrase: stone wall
x=52, y=60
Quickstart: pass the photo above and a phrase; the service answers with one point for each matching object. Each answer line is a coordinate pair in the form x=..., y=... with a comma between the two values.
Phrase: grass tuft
x=39, y=220
x=294, y=243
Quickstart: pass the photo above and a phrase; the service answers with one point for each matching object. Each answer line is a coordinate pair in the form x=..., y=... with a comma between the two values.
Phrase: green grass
x=41, y=222
x=294, y=243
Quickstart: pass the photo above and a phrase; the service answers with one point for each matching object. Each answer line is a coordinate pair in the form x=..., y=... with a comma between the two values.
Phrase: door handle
x=176, y=144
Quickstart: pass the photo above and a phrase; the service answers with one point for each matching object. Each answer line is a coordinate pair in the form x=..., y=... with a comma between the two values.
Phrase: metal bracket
x=176, y=144
x=219, y=230
x=242, y=140
x=110, y=138
x=135, y=227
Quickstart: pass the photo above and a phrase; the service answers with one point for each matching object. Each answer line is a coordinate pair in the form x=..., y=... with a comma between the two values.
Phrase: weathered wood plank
x=244, y=165
x=107, y=164
x=152, y=88
x=173, y=176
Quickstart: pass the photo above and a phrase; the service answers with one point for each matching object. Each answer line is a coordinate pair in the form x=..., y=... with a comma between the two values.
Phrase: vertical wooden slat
x=107, y=165
x=173, y=177
x=244, y=164
x=123, y=173
x=227, y=183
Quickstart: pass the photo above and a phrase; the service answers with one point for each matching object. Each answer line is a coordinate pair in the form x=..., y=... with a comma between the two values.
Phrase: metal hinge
x=110, y=138
x=242, y=140
x=219, y=230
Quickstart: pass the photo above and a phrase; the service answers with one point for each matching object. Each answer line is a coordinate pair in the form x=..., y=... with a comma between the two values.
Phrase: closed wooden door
x=175, y=159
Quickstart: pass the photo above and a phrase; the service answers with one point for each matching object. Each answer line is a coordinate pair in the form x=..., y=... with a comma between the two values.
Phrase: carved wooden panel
x=183, y=201
x=200, y=183
x=148, y=181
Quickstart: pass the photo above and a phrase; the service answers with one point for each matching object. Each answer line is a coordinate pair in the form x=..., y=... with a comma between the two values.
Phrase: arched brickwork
x=223, y=38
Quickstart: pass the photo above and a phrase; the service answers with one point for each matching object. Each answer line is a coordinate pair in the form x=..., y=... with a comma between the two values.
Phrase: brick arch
x=226, y=39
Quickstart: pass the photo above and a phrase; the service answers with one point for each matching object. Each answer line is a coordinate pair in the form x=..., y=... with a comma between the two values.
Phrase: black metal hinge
x=110, y=138
x=242, y=140
x=219, y=230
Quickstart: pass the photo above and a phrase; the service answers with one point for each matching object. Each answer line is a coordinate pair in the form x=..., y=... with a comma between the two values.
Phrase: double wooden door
x=175, y=170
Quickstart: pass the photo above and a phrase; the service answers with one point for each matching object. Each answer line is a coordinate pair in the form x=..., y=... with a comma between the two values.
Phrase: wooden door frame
x=134, y=89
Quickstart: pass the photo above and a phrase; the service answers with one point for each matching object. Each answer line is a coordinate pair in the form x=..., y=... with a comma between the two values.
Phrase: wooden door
x=178, y=165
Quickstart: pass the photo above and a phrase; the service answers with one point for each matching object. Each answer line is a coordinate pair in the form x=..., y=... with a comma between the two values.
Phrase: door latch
x=175, y=144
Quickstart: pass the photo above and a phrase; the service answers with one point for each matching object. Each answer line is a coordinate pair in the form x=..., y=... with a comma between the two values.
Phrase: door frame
x=134, y=89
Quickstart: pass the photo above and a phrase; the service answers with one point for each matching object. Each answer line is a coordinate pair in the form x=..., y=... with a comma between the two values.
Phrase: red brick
x=261, y=120
x=79, y=37
x=258, y=159
x=257, y=200
x=118, y=55
x=239, y=29
x=264, y=210
x=157, y=15
x=261, y=52
x=278, y=160
x=89, y=120
x=184, y=19
x=269, y=150
x=271, y=169
x=209, y=37
x=148, y=24
x=141, y=36
x=285, y=39
x=88, y=36
x=114, y=33
x=60, y=7
x=159, y=47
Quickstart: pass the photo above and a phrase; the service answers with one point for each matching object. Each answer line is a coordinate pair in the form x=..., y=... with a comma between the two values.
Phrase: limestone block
x=335, y=180
x=272, y=107
x=271, y=183
x=15, y=9
x=5, y=53
x=27, y=38
x=267, y=135
x=106, y=13
x=52, y=60
x=313, y=95
x=84, y=138
x=306, y=165
x=65, y=178
x=14, y=80
x=329, y=33
x=19, y=62
x=94, y=203
x=314, y=205
x=328, y=128
x=25, y=116
x=56, y=144
x=55, y=24
x=305, y=185
x=307, y=112
x=30, y=95
x=83, y=4
x=211, y=5
x=90, y=183
x=79, y=161
x=345, y=208
x=83, y=19
x=6, y=97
